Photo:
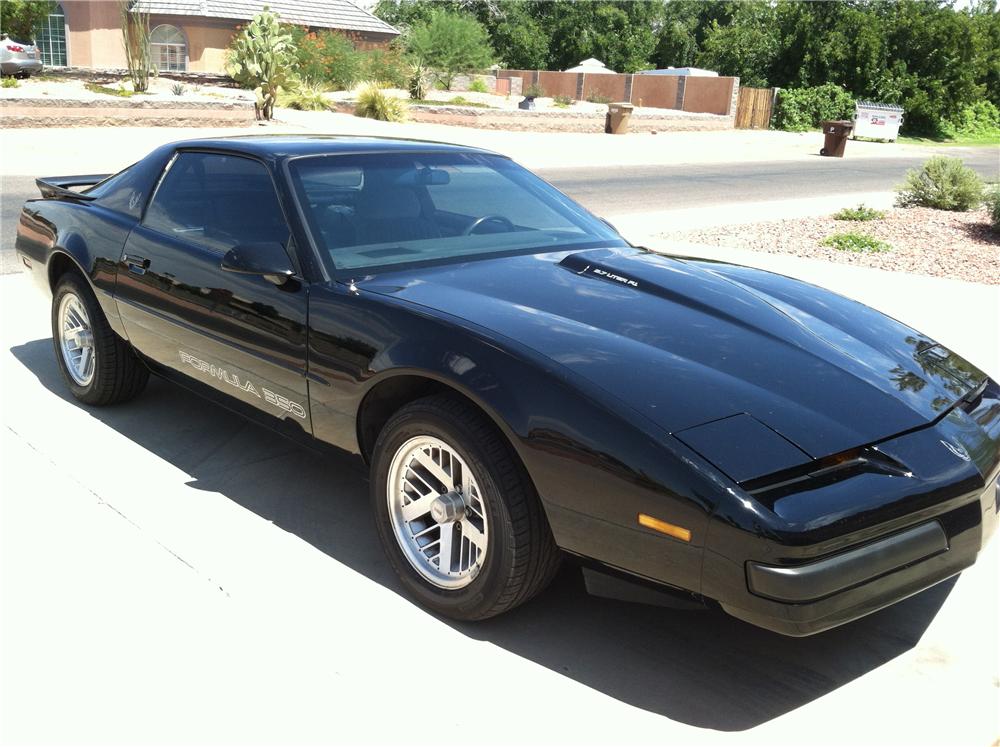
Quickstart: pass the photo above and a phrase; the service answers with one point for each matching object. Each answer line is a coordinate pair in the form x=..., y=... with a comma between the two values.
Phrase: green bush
x=534, y=90
x=386, y=66
x=478, y=85
x=325, y=58
x=304, y=96
x=450, y=43
x=563, y=102
x=595, y=97
x=978, y=120
x=801, y=109
x=993, y=206
x=855, y=242
x=942, y=183
x=375, y=103
x=10, y=83
x=860, y=213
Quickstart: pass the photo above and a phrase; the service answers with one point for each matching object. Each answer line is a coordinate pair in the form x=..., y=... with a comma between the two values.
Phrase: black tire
x=119, y=375
x=822, y=151
x=521, y=557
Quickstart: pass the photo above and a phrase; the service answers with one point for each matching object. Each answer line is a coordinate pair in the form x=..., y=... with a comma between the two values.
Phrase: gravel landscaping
x=923, y=241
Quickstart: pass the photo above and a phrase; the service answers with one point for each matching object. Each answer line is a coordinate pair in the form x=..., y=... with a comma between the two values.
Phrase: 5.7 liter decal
x=243, y=384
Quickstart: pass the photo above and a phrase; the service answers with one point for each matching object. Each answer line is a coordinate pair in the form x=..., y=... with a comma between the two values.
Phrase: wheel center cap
x=448, y=507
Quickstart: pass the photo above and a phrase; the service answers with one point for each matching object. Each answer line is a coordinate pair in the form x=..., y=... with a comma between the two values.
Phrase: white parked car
x=19, y=59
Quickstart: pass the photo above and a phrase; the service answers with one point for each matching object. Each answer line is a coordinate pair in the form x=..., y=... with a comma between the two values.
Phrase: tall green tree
x=20, y=18
x=449, y=43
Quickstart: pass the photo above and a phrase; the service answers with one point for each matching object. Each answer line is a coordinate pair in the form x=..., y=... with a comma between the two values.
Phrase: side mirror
x=267, y=258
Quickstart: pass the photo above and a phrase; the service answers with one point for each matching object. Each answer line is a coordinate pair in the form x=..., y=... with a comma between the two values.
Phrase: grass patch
x=10, y=83
x=964, y=140
x=454, y=101
x=855, y=242
x=121, y=91
x=859, y=213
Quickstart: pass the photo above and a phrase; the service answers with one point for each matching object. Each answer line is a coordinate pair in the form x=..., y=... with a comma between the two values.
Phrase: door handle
x=136, y=264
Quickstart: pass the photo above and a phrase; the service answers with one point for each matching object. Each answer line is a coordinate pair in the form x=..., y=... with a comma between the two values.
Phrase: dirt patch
x=924, y=241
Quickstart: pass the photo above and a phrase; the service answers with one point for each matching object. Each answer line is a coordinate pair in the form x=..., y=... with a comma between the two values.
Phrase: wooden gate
x=753, y=108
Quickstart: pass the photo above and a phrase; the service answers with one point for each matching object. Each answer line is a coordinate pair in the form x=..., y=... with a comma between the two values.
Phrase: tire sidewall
x=71, y=284
x=473, y=600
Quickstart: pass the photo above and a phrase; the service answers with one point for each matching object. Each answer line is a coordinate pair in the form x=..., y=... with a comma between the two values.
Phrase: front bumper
x=809, y=598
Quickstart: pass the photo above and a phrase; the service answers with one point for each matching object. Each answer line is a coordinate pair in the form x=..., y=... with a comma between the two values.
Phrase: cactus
x=135, y=39
x=261, y=57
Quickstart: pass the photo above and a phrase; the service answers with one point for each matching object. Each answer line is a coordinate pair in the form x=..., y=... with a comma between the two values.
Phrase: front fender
x=595, y=463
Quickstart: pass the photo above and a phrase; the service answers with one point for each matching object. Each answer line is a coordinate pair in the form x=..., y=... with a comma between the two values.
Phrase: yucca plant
x=261, y=57
x=374, y=103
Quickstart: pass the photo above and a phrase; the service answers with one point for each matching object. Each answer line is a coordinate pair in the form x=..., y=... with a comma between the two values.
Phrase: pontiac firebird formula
x=523, y=382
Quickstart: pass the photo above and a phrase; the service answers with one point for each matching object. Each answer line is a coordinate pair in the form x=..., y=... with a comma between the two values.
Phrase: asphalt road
x=632, y=189
x=622, y=190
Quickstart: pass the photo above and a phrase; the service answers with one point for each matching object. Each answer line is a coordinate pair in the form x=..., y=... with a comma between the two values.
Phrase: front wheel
x=456, y=512
x=98, y=366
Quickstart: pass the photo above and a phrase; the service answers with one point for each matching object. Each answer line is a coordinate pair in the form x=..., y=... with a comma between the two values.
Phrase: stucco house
x=189, y=35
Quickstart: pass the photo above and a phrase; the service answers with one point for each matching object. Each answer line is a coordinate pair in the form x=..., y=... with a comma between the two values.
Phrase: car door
x=240, y=335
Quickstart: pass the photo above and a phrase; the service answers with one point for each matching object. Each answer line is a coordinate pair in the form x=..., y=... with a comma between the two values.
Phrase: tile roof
x=333, y=14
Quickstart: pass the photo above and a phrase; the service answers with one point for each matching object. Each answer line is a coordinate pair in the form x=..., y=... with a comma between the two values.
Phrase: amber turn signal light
x=666, y=528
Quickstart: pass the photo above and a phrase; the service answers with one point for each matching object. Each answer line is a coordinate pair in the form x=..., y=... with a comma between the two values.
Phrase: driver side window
x=217, y=201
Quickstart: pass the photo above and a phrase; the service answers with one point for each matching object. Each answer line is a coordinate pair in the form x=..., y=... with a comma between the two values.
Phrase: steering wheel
x=487, y=219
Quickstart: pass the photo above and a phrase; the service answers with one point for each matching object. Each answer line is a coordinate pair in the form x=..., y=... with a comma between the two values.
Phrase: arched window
x=168, y=49
x=50, y=36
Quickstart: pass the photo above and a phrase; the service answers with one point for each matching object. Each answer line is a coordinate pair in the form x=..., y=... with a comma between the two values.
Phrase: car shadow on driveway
x=701, y=668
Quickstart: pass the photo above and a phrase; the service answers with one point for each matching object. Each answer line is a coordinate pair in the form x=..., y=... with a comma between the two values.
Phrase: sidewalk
x=99, y=150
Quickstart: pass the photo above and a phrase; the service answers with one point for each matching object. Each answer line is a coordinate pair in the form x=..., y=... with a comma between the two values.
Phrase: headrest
x=386, y=203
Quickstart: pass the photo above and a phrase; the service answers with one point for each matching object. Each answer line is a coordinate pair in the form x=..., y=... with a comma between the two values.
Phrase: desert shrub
x=10, y=83
x=478, y=85
x=942, y=183
x=261, y=57
x=178, y=89
x=374, y=103
x=860, y=213
x=855, y=242
x=304, y=96
x=386, y=66
x=325, y=57
x=978, y=120
x=562, y=102
x=534, y=90
x=992, y=200
x=135, y=40
x=595, y=97
x=417, y=81
x=801, y=109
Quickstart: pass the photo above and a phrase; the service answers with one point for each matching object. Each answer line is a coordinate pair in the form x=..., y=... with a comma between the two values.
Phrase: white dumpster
x=880, y=121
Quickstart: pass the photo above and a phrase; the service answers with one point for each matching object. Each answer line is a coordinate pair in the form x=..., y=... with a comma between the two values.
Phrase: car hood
x=686, y=342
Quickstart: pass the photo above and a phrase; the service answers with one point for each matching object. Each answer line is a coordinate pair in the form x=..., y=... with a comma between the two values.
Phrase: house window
x=50, y=36
x=168, y=49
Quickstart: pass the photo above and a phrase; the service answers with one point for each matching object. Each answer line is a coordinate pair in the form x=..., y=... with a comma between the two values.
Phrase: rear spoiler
x=58, y=187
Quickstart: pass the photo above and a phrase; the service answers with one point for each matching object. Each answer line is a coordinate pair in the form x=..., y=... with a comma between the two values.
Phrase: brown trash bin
x=616, y=120
x=835, y=134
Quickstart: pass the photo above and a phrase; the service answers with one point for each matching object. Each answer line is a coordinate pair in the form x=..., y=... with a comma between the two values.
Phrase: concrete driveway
x=171, y=573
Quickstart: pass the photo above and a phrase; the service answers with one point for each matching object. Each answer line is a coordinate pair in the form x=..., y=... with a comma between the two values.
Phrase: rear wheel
x=456, y=512
x=98, y=366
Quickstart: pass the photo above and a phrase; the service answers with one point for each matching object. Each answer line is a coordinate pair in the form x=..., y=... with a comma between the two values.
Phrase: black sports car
x=523, y=382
